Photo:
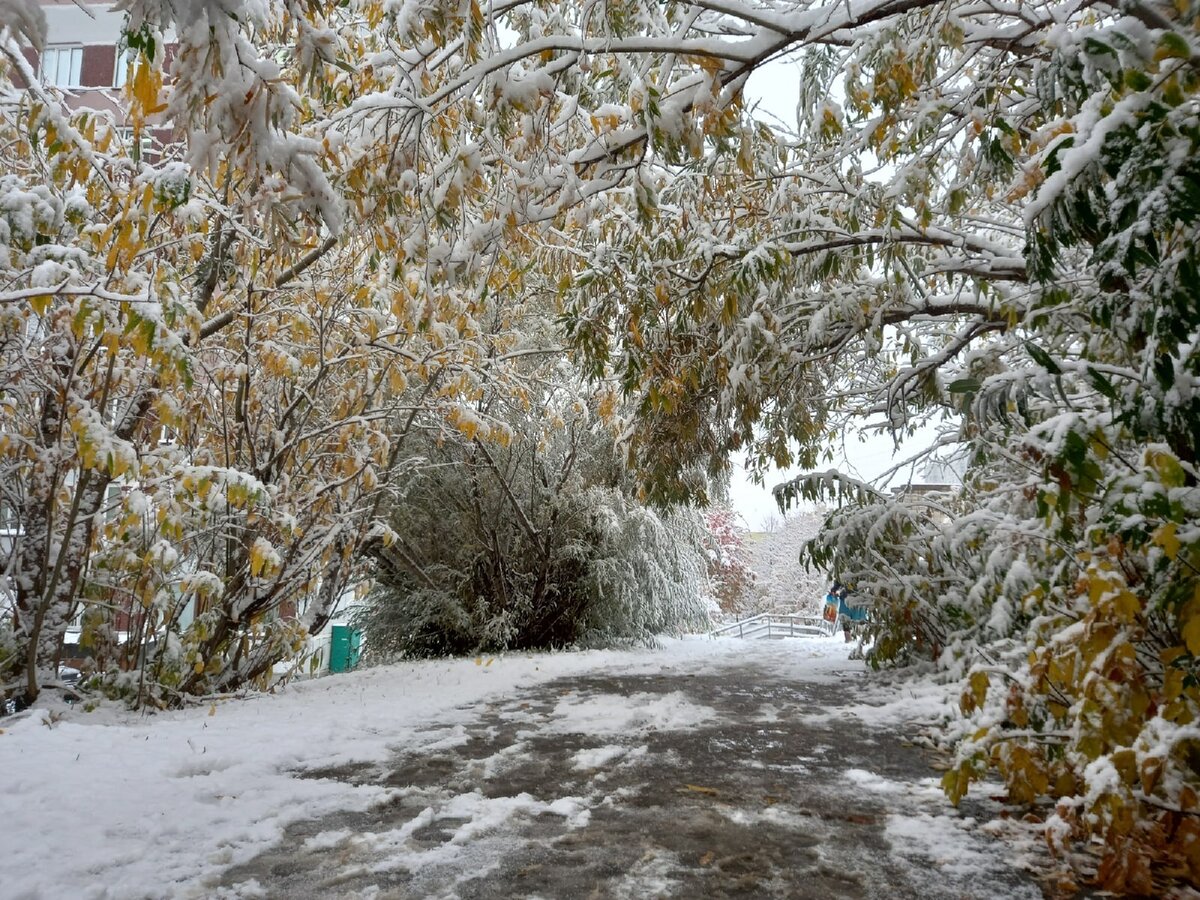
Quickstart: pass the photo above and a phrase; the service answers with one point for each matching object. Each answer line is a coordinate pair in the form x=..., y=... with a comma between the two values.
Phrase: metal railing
x=766, y=625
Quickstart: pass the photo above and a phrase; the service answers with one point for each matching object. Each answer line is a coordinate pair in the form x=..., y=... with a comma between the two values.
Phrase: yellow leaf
x=256, y=559
x=1127, y=605
x=979, y=686
x=1191, y=635
x=145, y=88
x=1164, y=536
x=1125, y=762
x=955, y=784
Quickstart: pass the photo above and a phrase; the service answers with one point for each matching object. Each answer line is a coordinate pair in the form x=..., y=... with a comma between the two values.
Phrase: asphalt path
x=778, y=790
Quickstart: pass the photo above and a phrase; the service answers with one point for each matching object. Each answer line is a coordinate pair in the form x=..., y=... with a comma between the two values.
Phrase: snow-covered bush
x=1062, y=582
x=646, y=574
x=530, y=542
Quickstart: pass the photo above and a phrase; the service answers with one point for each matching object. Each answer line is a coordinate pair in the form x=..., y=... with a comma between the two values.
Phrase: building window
x=136, y=150
x=112, y=501
x=62, y=66
x=123, y=68
x=9, y=516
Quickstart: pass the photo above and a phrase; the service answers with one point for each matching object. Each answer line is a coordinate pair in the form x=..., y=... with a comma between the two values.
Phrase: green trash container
x=344, y=647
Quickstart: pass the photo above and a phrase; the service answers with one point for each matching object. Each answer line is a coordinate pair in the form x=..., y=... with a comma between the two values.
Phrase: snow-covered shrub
x=529, y=542
x=646, y=573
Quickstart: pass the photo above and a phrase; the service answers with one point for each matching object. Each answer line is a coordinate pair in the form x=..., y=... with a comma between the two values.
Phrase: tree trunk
x=52, y=556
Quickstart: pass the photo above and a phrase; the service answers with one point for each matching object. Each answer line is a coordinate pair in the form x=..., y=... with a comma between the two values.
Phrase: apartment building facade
x=83, y=56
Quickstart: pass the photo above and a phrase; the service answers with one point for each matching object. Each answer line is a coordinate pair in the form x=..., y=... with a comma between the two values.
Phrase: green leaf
x=1173, y=46
x=1074, y=450
x=1137, y=80
x=964, y=386
x=1042, y=358
x=1101, y=383
x=1052, y=163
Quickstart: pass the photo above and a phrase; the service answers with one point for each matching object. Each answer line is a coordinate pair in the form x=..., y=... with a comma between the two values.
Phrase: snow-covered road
x=705, y=768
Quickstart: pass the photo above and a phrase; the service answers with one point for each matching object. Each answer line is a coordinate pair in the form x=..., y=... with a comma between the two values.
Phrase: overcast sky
x=865, y=460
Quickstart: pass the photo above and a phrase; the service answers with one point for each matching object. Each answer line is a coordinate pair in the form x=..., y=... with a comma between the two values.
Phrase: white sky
x=865, y=459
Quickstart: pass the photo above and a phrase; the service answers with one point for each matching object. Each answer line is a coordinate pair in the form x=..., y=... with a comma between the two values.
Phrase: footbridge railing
x=767, y=625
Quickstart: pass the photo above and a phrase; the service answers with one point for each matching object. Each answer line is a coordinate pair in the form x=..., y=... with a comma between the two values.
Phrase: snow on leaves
x=986, y=217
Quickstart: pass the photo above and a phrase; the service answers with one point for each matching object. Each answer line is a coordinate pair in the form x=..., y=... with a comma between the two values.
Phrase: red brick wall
x=99, y=63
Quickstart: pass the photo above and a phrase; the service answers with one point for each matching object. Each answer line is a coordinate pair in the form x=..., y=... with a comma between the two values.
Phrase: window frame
x=73, y=54
x=121, y=66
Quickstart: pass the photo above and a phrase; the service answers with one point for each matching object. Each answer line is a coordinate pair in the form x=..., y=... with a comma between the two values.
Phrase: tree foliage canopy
x=986, y=217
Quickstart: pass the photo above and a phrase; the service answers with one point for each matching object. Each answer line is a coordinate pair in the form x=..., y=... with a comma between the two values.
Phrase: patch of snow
x=327, y=840
x=650, y=877
x=599, y=757
x=606, y=714
x=926, y=789
x=947, y=845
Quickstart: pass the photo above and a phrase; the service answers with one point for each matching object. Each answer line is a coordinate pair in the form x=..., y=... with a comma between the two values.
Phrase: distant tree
x=730, y=576
x=783, y=583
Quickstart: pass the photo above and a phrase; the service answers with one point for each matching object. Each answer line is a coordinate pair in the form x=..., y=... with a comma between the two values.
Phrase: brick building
x=81, y=53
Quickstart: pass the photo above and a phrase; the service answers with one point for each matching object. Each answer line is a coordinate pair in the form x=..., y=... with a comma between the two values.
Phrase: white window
x=62, y=66
x=124, y=64
x=126, y=135
x=8, y=516
x=112, y=501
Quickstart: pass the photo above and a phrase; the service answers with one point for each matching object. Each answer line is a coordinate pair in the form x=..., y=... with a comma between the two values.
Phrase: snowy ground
x=430, y=776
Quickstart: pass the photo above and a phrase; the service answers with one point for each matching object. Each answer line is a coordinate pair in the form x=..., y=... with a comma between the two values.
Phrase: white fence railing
x=766, y=625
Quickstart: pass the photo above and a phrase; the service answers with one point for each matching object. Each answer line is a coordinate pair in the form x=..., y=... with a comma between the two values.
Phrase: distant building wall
x=81, y=57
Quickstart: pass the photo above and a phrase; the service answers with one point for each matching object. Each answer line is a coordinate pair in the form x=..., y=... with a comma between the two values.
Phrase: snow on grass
x=955, y=853
x=944, y=841
x=885, y=703
x=919, y=700
x=172, y=797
